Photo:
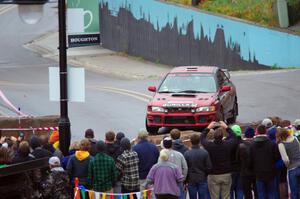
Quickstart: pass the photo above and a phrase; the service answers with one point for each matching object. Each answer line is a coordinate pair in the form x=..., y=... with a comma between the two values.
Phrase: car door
x=226, y=98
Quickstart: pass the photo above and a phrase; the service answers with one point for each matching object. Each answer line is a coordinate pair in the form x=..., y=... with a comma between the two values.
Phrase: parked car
x=192, y=96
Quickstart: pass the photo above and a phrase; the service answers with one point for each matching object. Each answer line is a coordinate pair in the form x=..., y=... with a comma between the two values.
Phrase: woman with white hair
x=165, y=176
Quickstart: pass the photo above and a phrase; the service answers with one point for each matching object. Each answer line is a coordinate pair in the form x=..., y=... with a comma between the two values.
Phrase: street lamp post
x=64, y=122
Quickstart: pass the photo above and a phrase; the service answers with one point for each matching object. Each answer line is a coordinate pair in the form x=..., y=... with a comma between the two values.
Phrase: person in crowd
x=147, y=153
x=220, y=152
x=236, y=186
x=111, y=147
x=73, y=148
x=89, y=134
x=290, y=153
x=165, y=176
x=79, y=163
x=23, y=154
x=271, y=125
x=297, y=129
x=5, y=158
x=54, y=140
x=177, y=142
x=102, y=173
x=210, y=135
x=37, y=150
x=199, y=165
x=270, y=128
x=119, y=151
x=246, y=175
x=128, y=166
x=178, y=159
x=118, y=139
x=45, y=144
x=263, y=156
x=57, y=184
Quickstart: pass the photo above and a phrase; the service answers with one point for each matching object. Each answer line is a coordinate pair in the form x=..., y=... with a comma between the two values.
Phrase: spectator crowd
x=221, y=162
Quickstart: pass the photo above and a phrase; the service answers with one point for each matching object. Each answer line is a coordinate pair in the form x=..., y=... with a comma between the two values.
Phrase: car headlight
x=158, y=109
x=206, y=109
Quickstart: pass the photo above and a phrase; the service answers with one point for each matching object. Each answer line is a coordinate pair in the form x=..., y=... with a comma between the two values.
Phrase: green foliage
x=258, y=11
x=292, y=2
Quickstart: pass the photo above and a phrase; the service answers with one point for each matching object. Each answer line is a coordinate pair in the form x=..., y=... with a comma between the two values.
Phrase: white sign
x=76, y=84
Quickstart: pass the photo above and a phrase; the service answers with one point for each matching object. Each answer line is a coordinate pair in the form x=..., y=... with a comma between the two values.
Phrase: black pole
x=64, y=122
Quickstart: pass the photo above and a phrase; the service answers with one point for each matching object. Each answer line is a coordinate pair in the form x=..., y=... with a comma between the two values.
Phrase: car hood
x=183, y=99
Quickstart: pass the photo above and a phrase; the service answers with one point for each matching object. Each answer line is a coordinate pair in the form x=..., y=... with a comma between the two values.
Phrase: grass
x=258, y=11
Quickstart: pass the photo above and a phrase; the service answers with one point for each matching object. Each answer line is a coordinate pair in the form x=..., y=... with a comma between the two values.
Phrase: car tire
x=152, y=130
x=234, y=113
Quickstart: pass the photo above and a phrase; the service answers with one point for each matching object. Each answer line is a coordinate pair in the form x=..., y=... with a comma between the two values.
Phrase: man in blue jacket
x=148, y=155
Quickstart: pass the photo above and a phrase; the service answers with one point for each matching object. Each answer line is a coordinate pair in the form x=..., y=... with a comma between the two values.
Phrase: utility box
x=282, y=11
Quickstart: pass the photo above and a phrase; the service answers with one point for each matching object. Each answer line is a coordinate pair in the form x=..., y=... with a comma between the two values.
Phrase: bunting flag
x=77, y=193
x=131, y=196
x=97, y=195
x=91, y=194
x=80, y=192
x=138, y=195
x=149, y=194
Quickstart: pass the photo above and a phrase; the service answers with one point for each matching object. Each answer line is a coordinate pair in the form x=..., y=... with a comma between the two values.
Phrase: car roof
x=193, y=69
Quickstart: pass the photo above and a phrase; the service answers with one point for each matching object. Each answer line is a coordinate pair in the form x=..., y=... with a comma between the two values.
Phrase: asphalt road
x=24, y=80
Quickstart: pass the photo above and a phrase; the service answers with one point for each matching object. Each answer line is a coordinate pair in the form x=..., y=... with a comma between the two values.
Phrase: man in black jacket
x=199, y=164
x=220, y=152
x=263, y=156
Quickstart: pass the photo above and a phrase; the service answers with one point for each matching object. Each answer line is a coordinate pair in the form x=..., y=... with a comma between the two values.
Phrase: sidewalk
x=98, y=59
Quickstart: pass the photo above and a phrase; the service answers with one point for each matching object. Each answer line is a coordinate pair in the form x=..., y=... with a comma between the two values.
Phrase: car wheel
x=234, y=113
x=152, y=130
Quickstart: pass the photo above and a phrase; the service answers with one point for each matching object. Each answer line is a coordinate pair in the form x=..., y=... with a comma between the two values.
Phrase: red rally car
x=192, y=96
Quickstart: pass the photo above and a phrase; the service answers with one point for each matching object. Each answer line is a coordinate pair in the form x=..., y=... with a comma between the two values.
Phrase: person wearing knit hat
x=176, y=158
x=249, y=132
x=236, y=187
x=246, y=175
x=236, y=130
x=167, y=143
x=54, y=137
x=128, y=165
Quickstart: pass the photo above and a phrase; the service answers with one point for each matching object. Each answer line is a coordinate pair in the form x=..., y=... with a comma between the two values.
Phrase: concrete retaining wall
x=176, y=35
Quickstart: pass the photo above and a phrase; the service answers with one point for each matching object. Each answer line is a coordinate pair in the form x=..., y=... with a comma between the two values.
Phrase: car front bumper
x=180, y=119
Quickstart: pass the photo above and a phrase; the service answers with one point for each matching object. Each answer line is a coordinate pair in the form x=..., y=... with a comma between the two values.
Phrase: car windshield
x=188, y=83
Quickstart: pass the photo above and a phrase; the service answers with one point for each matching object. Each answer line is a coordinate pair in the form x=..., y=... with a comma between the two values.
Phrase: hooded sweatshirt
x=78, y=166
x=263, y=156
x=179, y=146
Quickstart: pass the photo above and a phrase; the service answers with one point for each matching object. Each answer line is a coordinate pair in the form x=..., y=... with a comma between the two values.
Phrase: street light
x=30, y=12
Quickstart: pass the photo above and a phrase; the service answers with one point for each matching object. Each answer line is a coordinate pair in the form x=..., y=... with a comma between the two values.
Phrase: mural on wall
x=178, y=36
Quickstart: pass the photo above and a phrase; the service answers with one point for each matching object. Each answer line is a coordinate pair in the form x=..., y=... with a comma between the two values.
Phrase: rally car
x=192, y=96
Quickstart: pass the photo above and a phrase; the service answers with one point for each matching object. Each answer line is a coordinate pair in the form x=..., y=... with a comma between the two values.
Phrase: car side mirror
x=225, y=88
x=152, y=88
